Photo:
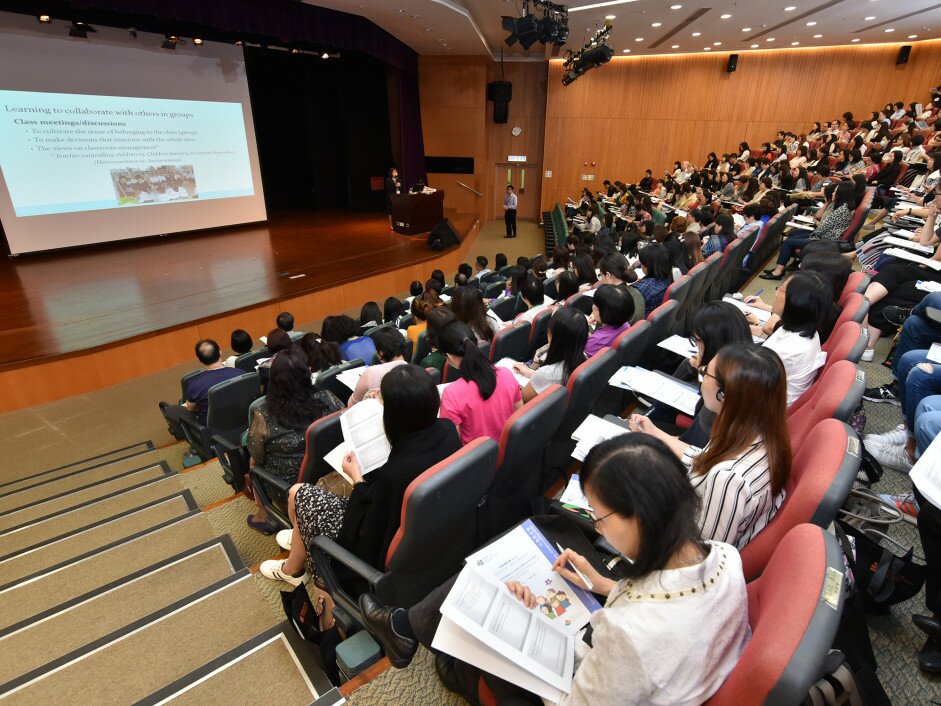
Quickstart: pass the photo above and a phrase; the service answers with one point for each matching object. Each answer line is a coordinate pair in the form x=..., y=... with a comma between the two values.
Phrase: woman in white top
x=675, y=619
x=568, y=333
x=741, y=473
x=802, y=302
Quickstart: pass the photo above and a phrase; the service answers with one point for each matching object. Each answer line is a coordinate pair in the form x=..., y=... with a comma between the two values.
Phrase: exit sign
x=516, y=158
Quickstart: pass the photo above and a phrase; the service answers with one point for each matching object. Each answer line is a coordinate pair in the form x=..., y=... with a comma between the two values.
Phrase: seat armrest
x=326, y=548
x=233, y=459
x=271, y=479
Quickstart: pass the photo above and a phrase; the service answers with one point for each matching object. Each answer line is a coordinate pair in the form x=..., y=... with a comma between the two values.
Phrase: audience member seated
x=533, y=294
x=370, y=315
x=468, y=306
x=567, y=286
x=437, y=320
x=366, y=521
x=393, y=311
x=345, y=332
x=434, y=285
x=241, y=342
x=585, y=271
x=415, y=289
x=278, y=340
x=611, y=311
x=196, y=400
x=484, y=397
x=285, y=322
x=321, y=354
x=277, y=428
x=741, y=473
x=648, y=644
x=390, y=349
x=481, y=267
x=558, y=359
x=658, y=275
x=802, y=302
x=437, y=275
x=421, y=307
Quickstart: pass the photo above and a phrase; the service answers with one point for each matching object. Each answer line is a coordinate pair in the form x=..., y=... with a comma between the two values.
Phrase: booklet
x=658, y=386
x=350, y=377
x=573, y=498
x=679, y=345
x=903, y=243
x=760, y=314
x=508, y=364
x=592, y=432
x=926, y=473
x=364, y=434
x=903, y=254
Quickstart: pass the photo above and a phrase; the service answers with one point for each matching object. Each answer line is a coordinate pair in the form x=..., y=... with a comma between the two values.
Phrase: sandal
x=262, y=527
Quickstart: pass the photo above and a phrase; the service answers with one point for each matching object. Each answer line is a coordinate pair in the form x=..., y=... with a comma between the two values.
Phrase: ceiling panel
x=461, y=27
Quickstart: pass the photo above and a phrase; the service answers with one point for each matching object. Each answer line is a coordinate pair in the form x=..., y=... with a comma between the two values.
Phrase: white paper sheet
x=508, y=364
x=351, y=376
x=594, y=426
x=573, y=494
x=483, y=607
x=660, y=387
x=679, y=345
x=363, y=430
x=934, y=353
x=903, y=254
x=926, y=473
x=903, y=243
x=760, y=314
x=928, y=286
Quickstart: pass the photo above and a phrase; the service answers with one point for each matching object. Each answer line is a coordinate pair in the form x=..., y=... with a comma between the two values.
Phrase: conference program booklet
x=364, y=434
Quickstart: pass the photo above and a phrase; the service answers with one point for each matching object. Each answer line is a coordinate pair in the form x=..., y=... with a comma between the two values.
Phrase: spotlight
x=197, y=42
x=595, y=53
x=80, y=30
x=295, y=50
x=325, y=55
x=45, y=19
x=237, y=42
x=170, y=41
x=529, y=29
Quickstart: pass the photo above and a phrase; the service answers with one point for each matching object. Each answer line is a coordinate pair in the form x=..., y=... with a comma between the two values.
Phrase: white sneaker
x=895, y=437
x=284, y=537
x=867, y=355
x=271, y=569
x=893, y=457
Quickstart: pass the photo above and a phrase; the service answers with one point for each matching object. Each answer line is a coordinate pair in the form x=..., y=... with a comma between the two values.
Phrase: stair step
x=110, y=532
x=46, y=507
x=137, y=660
x=74, y=579
x=39, y=641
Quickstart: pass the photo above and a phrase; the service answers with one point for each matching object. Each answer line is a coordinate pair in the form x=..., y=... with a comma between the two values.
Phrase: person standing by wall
x=509, y=211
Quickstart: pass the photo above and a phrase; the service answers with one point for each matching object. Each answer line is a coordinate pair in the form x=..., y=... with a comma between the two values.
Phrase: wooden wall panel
x=635, y=113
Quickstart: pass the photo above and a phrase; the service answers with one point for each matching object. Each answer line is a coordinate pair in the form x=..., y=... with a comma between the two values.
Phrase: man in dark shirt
x=196, y=402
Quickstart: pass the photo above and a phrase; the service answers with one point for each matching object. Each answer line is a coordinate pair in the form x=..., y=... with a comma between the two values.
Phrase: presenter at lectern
x=393, y=186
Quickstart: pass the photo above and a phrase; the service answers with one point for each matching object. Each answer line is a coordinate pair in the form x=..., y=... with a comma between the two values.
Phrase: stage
x=60, y=304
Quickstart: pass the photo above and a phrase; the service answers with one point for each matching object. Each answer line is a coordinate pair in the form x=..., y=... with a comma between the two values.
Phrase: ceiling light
x=725, y=16
x=638, y=39
x=707, y=48
x=855, y=40
x=913, y=36
x=790, y=8
x=755, y=46
x=170, y=41
x=717, y=44
x=794, y=44
x=770, y=39
x=401, y=9
x=429, y=29
x=325, y=55
x=811, y=24
x=610, y=17
x=746, y=29
x=868, y=19
x=817, y=36
x=197, y=42
x=655, y=24
x=676, y=7
x=45, y=19
x=237, y=42
x=676, y=46
x=415, y=17
x=295, y=50
x=627, y=51
x=890, y=30
x=696, y=34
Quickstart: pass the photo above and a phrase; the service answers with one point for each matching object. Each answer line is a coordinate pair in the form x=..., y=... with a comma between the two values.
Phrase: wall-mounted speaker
x=501, y=93
x=904, y=53
x=733, y=63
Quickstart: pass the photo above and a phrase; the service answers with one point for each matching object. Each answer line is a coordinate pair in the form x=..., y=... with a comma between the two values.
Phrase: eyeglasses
x=595, y=520
x=702, y=372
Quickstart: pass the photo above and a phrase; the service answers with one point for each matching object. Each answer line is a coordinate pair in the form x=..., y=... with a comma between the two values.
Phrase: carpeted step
x=72, y=480
x=142, y=657
x=69, y=626
x=54, y=505
x=76, y=467
x=75, y=520
x=108, y=532
x=277, y=656
x=74, y=580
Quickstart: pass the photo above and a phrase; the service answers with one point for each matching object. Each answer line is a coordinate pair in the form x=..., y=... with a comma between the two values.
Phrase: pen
x=758, y=293
x=588, y=584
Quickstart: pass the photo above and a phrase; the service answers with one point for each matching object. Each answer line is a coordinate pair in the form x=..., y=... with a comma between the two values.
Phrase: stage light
x=595, y=53
x=197, y=42
x=325, y=55
x=170, y=41
x=528, y=29
x=237, y=42
x=80, y=30
x=45, y=19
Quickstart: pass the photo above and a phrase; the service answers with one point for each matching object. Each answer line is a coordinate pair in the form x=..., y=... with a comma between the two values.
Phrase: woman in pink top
x=485, y=397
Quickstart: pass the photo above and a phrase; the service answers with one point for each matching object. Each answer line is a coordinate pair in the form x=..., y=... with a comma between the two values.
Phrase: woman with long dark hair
x=676, y=593
x=468, y=306
x=321, y=354
x=484, y=398
x=370, y=315
x=393, y=310
x=277, y=427
x=568, y=333
x=741, y=473
x=585, y=271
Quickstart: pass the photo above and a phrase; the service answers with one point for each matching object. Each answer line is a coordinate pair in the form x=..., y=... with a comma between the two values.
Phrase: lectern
x=417, y=213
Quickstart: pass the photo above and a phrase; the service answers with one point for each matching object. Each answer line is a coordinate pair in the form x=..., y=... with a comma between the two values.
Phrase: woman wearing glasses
x=741, y=473
x=676, y=594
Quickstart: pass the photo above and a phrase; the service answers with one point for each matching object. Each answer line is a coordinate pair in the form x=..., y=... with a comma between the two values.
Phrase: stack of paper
x=904, y=243
x=364, y=435
x=903, y=254
x=592, y=432
x=508, y=363
x=351, y=376
x=659, y=387
x=573, y=495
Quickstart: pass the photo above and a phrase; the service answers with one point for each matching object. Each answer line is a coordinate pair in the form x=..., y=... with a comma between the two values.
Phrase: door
x=525, y=180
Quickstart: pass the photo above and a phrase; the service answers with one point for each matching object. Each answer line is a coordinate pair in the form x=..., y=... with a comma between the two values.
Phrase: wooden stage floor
x=59, y=303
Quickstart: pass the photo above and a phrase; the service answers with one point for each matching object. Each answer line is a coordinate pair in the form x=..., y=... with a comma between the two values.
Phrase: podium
x=417, y=213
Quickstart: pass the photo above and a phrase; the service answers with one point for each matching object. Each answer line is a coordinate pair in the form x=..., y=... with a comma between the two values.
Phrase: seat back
x=229, y=401
x=519, y=461
x=494, y=289
x=438, y=525
x=507, y=308
x=580, y=301
x=793, y=620
x=184, y=381
x=679, y=291
x=735, y=251
x=855, y=307
x=327, y=380
x=845, y=343
x=822, y=474
x=857, y=282
x=551, y=286
x=859, y=216
x=698, y=278
x=321, y=438
x=631, y=347
x=511, y=342
x=834, y=395
x=423, y=348
x=539, y=333
x=585, y=384
x=661, y=320
x=249, y=361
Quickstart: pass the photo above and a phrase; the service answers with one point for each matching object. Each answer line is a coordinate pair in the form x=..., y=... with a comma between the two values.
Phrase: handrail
x=469, y=188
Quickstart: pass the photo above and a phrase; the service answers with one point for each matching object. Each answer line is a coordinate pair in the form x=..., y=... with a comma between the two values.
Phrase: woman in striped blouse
x=741, y=473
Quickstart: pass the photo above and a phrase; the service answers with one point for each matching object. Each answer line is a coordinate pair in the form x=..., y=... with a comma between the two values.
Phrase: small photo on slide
x=150, y=185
